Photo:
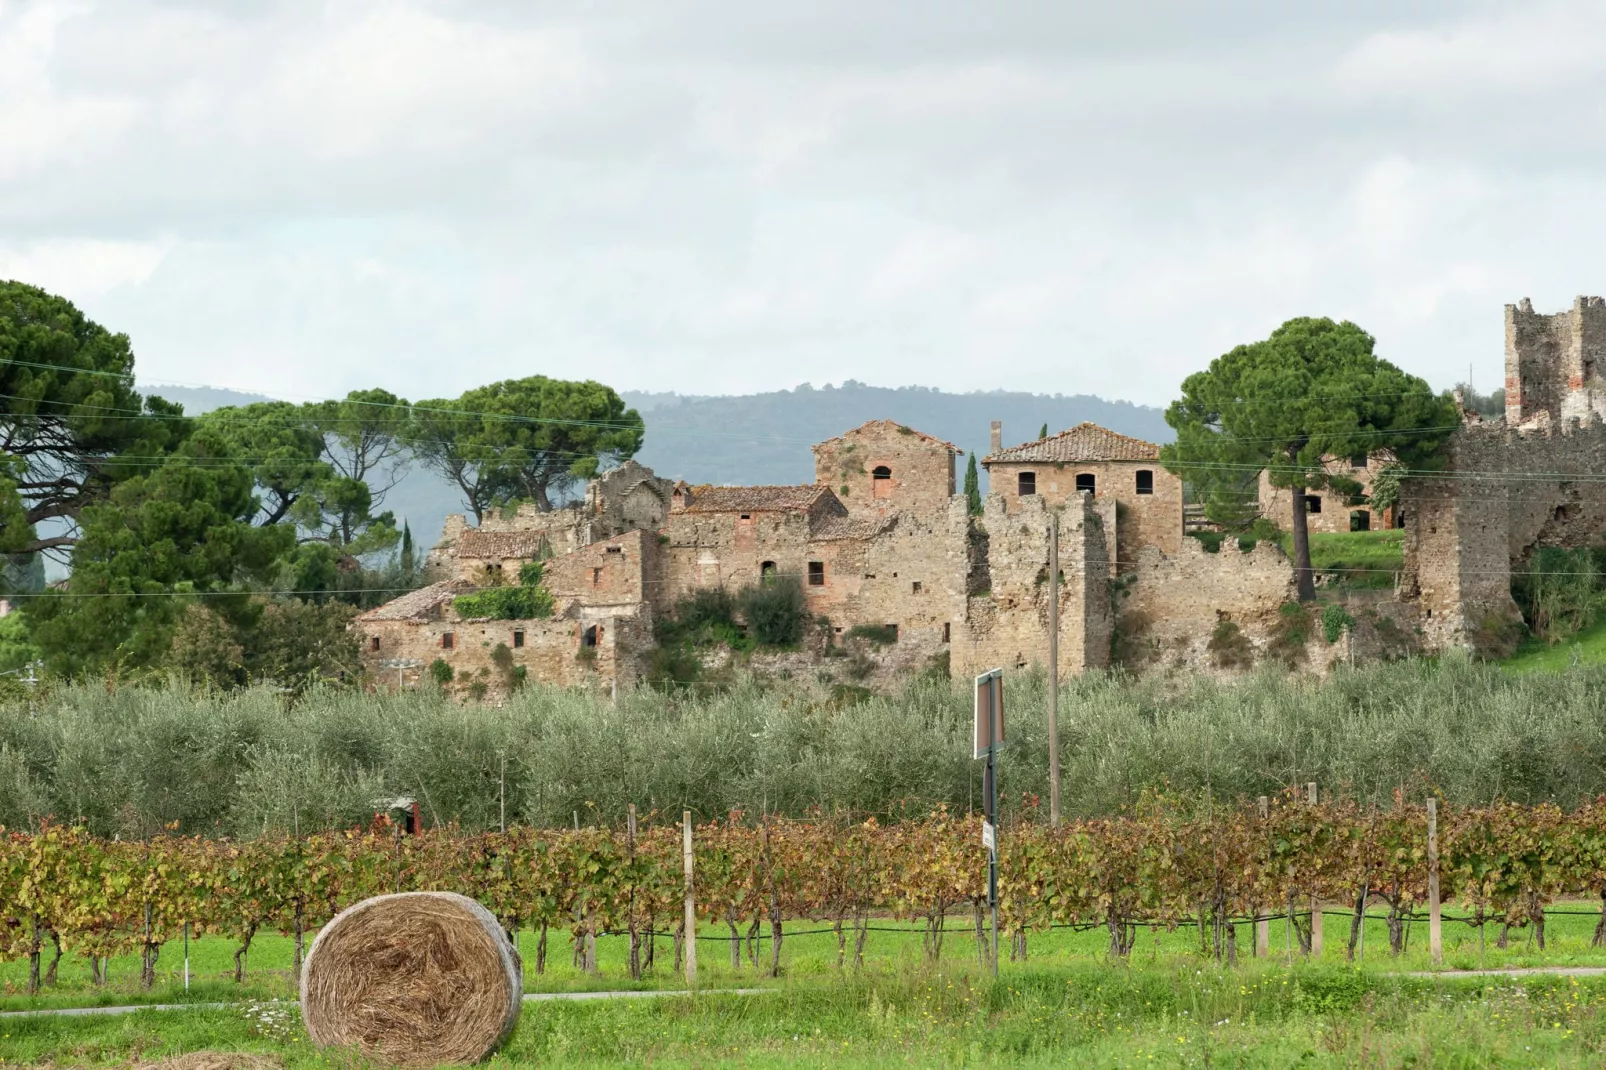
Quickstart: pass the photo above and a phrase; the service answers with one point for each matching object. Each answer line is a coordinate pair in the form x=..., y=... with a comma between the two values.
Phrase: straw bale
x=415, y=979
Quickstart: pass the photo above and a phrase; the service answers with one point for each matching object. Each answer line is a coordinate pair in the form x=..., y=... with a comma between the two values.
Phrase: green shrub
x=1335, y=622
x=1210, y=540
x=879, y=634
x=506, y=603
x=775, y=611
x=1290, y=633
x=530, y=574
x=440, y=671
x=1561, y=592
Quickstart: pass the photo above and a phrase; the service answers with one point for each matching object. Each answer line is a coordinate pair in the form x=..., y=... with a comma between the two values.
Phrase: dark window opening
x=816, y=573
x=1085, y=483
x=373, y=644
x=1026, y=484
x=518, y=638
x=446, y=640
x=916, y=587
x=1358, y=460
x=1313, y=503
x=947, y=631
x=1145, y=481
x=588, y=638
x=1360, y=520
x=747, y=516
x=596, y=577
x=881, y=472
x=766, y=570
x=1399, y=518
x=881, y=482
x=616, y=549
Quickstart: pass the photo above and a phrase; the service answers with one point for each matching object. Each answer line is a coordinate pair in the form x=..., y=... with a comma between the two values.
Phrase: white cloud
x=711, y=196
x=1523, y=48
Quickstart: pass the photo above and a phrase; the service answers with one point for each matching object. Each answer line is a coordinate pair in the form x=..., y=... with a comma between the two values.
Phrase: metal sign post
x=989, y=734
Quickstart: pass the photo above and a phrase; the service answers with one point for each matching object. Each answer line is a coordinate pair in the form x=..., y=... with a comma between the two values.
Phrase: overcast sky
x=723, y=196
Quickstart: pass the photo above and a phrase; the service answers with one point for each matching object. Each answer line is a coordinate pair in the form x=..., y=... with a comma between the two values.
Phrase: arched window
x=881, y=481
x=766, y=571
x=1086, y=483
x=588, y=638
x=1145, y=481
x=1026, y=484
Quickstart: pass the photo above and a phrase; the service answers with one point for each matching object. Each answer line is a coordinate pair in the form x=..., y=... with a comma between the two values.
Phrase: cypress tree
x=973, y=487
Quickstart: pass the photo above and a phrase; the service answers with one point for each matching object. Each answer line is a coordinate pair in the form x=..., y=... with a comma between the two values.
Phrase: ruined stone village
x=882, y=543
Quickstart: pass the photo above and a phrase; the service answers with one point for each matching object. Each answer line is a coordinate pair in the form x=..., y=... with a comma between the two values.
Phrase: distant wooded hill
x=765, y=438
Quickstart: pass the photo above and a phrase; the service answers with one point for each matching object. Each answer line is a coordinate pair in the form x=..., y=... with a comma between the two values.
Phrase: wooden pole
x=1315, y=902
x=1054, y=669
x=691, y=900
x=1263, y=925
x=1435, y=931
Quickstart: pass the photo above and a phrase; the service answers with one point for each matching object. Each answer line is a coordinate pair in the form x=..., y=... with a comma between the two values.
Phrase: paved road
x=529, y=997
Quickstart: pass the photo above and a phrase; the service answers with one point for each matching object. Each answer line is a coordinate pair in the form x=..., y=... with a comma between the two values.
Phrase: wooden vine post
x=691, y=900
x=1262, y=922
x=1315, y=900
x=1435, y=923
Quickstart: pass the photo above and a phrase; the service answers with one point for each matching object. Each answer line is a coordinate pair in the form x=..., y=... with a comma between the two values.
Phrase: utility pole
x=1054, y=669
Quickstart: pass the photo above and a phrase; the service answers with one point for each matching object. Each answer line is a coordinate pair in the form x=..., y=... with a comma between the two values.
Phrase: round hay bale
x=414, y=979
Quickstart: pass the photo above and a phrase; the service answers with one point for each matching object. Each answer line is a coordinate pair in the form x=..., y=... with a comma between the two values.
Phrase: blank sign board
x=989, y=728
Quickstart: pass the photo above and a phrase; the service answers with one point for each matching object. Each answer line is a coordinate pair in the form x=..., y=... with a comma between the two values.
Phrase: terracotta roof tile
x=1084, y=442
x=883, y=426
x=496, y=545
x=754, y=499
x=421, y=604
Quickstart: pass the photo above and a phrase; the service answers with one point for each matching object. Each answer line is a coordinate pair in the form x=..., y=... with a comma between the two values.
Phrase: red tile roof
x=755, y=499
x=1084, y=442
x=497, y=545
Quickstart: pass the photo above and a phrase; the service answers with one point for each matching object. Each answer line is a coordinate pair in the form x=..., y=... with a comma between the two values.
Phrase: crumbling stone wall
x=1007, y=626
x=1169, y=607
x=613, y=572
x=1506, y=492
x=1554, y=362
x=918, y=469
x=552, y=651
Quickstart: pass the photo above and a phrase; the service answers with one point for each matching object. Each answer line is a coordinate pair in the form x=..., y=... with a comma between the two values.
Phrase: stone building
x=1327, y=510
x=1511, y=488
x=881, y=467
x=1089, y=459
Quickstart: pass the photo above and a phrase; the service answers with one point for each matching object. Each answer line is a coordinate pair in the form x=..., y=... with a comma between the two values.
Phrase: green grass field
x=1588, y=647
x=1167, y=1006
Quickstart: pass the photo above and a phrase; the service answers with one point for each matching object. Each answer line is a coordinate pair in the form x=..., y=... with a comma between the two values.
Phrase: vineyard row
x=63, y=891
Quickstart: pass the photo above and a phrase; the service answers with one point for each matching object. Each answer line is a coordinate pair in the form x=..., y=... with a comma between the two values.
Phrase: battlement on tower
x=1553, y=363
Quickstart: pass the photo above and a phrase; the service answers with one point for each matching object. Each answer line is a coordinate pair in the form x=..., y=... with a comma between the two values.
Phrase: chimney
x=998, y=435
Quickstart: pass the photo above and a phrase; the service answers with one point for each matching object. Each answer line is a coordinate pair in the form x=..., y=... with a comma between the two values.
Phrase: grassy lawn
x=1588, y=647
x=1148, y=1014
x=1167, y=1006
